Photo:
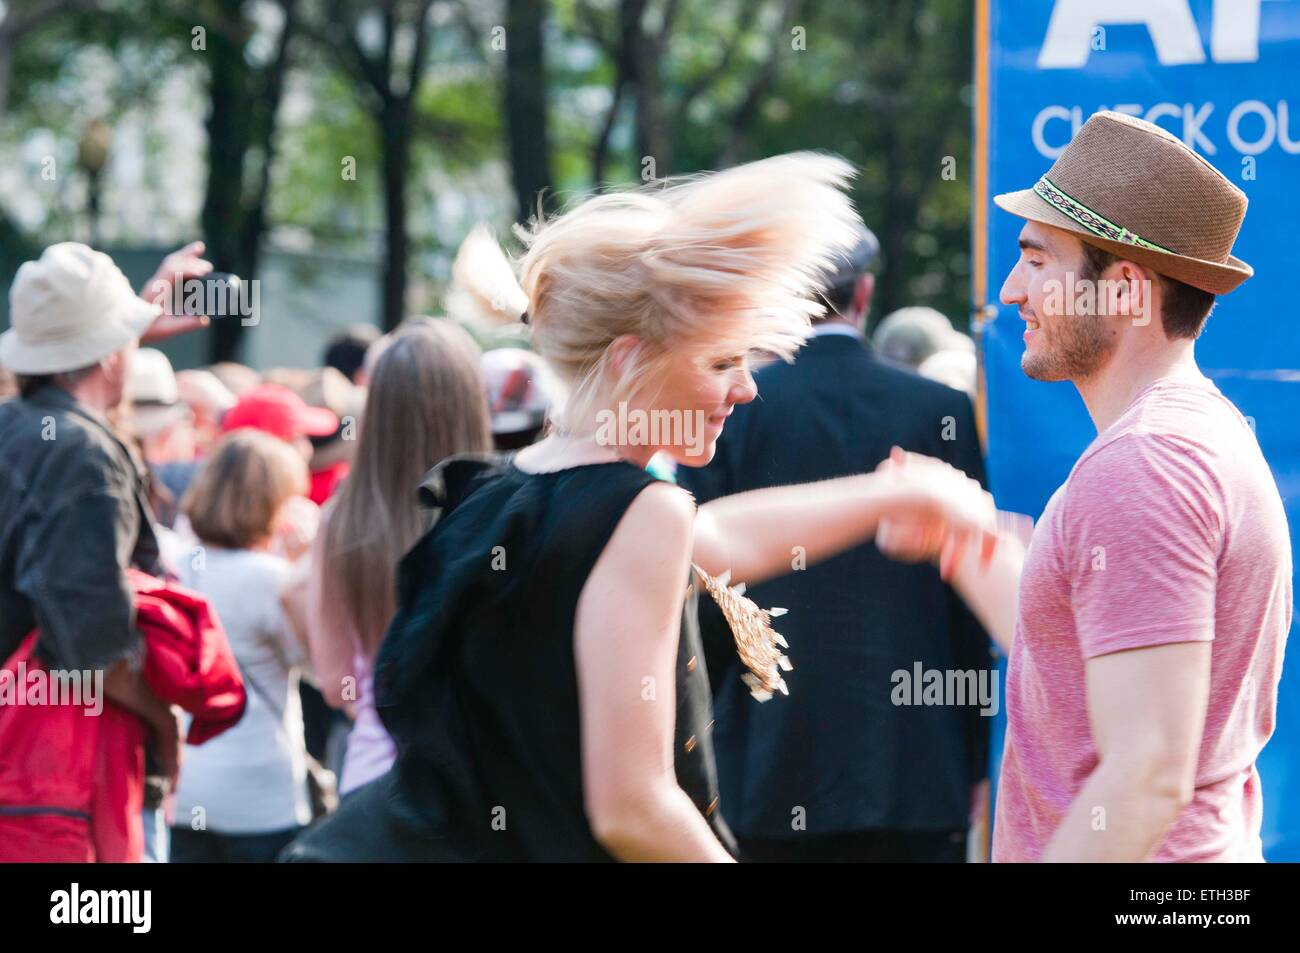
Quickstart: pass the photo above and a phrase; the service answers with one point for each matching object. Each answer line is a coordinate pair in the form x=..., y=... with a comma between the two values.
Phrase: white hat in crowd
x=69, y=309
x=155, y=400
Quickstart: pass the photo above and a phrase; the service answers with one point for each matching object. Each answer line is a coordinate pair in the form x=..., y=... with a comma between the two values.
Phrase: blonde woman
x=425, y=402
x=543, y=676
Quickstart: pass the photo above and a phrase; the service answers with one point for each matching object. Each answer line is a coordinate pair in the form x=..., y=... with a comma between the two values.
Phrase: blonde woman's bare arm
x=625, y=644
x=765, y=533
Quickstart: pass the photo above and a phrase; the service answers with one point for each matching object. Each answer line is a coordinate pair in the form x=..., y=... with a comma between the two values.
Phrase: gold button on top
x=690, y=666
x=690, y=744
x=713, y=806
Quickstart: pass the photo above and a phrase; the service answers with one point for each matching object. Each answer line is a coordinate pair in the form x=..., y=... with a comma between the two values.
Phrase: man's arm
x=126, y=688
x=72, y=570
x=992, y=590
x=1147, y=710
x=971, y=650
x=989, y=586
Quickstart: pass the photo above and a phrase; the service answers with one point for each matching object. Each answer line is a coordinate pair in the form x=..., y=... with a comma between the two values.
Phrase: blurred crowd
x=246, y=476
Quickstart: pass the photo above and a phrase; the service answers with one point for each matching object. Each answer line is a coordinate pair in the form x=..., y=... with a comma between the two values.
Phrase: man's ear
x=1137, y=290
x=863, y=291
x=116, y=369
x=113, y=366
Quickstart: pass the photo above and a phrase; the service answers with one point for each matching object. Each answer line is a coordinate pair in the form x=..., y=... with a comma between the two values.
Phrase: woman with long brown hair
x=425, y=403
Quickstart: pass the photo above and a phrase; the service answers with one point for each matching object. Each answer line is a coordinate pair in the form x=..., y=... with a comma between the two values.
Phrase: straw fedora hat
x=69, y=309
x=1130, y=187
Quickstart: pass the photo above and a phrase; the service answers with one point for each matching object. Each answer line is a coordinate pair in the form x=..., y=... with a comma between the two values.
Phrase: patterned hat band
x=1097, y=224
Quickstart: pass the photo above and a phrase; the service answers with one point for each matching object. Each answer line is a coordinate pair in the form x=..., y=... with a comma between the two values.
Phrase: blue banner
x=1224, y=76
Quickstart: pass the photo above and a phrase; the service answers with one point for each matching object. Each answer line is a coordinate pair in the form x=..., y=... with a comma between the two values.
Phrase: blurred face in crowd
x=1060, y=344
x=206, y=430
x=175, y=443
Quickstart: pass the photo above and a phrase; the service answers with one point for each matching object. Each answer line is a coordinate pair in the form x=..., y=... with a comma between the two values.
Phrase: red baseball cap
x=280, y=412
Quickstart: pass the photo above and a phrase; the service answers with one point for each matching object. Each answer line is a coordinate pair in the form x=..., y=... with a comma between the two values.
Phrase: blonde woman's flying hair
x=484, y=290
x=711, y=264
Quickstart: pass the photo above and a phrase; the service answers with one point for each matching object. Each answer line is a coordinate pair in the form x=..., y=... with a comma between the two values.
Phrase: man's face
x=1062, y=341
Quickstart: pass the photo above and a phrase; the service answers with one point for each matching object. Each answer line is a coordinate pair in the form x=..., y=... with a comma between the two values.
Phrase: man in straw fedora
x=73, y=509
x=1147, y=619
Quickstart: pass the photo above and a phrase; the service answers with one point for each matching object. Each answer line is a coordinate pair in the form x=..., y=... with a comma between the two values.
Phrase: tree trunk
x=525, y=104
x=651, y=138
x=396, y=150
x=241, y=123
x=897, y=226
x=229, y=133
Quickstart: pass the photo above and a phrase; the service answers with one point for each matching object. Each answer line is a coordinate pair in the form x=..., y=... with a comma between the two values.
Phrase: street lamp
x=92, y=155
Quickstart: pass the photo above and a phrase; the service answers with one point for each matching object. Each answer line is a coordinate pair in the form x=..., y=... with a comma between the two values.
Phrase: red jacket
x=71, y=783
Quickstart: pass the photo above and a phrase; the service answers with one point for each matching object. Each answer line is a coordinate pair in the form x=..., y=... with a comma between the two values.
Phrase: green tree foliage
x=689, y=84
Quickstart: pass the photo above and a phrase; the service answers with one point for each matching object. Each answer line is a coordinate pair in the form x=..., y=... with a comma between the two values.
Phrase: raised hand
x=180, y=265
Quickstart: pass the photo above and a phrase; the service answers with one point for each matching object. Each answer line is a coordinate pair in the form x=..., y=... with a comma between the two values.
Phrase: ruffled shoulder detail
x=453, y=479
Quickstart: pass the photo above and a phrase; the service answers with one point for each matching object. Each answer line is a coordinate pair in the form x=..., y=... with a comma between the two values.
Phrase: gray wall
x=304, y=300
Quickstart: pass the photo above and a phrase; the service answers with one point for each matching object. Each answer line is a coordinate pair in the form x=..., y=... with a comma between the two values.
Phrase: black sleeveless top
x=476, y=680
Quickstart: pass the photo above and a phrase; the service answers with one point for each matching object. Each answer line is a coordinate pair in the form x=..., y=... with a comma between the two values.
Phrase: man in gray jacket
x=73, y=511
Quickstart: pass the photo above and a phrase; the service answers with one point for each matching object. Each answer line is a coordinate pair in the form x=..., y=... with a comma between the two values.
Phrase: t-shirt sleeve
x=1143, y=529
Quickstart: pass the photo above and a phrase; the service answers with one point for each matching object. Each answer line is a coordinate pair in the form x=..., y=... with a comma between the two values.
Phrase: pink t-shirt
x=1168, y=529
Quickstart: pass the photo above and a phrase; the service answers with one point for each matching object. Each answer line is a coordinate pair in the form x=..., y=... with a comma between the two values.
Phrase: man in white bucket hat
x=73, y=511
x=73, y=308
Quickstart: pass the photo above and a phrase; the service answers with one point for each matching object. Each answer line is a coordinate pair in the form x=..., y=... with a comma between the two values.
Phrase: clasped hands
x=940, y=515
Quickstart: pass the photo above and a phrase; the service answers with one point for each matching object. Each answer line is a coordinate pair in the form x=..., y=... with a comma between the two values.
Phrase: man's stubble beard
x=1076, y=347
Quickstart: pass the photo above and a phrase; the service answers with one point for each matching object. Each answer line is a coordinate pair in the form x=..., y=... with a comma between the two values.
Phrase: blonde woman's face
x=705, y=389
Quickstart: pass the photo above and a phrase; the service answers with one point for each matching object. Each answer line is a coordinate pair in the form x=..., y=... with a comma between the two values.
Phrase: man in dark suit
x=838, y=770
